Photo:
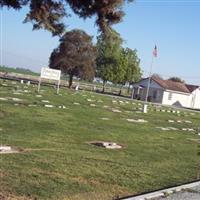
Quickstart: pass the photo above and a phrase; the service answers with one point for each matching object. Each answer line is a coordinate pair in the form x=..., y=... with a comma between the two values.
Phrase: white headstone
x=77, y=87
x=145, y=108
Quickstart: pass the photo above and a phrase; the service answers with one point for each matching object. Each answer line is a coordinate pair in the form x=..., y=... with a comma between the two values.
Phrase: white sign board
x=48, y=73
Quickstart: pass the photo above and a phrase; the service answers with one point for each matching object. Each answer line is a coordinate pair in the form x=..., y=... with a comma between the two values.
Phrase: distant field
x=58, y=163
x=18, y=70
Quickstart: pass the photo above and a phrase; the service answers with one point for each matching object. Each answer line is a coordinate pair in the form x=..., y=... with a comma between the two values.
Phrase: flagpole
x=149, y=80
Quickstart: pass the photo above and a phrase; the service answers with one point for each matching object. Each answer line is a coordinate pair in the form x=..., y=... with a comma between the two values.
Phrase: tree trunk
x=103, y=89
x=70, y=80
x=120, y=91
x=129, y=87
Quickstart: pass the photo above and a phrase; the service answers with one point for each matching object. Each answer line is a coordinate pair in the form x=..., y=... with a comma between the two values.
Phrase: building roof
x=171, y=85
x=191, y=88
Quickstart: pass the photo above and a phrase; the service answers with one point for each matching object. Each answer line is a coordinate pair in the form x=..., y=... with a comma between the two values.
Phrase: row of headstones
x=27, y=82
x=192, y=130
x=152, y=109
x=138, y=105
x=14, y=82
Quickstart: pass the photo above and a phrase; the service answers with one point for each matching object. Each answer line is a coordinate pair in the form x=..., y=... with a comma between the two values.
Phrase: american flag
x=155, y=53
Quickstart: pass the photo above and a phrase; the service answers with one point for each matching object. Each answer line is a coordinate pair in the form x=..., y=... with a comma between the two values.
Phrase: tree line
x=77, y=56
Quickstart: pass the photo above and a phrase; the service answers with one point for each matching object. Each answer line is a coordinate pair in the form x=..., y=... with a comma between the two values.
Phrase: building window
x=170, y=96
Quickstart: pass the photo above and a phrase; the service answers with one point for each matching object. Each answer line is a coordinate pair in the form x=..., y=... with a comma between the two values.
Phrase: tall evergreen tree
x=48, y=14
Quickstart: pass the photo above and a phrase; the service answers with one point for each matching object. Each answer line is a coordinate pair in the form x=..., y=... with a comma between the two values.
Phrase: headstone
x=190, y=129
x=105, y=118
x=5, y=148
x=16, y=99
x=17, y=93
x=164, y=129
x=48, y=106
x=107, y=145
x=4, y=84
x=3, y=99
x=116, y=111
x=32, y=105
x=77, y=87
x=173, y=128
x=137, y=120
x=28, y=83
x=45, y=101
x=145, y=108
x=22, y=81
x=187, y=121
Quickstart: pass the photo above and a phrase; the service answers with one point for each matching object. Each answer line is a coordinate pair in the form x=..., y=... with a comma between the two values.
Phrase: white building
x=168, y=92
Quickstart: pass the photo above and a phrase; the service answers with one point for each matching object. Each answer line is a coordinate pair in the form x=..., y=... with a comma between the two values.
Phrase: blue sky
x=172, y=25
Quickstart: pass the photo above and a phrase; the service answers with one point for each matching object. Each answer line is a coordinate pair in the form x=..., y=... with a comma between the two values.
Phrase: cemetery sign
x=48, y=73
x=52, y=74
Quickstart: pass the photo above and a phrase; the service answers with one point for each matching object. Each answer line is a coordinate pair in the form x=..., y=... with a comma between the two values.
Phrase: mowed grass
x=58, y=163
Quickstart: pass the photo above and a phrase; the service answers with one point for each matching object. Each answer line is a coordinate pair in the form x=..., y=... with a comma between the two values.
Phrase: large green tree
x=120, y=70
x=108, y=56
x=75, y=55
x=128, y=68
x=48, y=14
x=133, y=70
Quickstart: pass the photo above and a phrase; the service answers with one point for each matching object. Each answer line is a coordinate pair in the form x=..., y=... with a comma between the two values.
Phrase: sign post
x=52, y=74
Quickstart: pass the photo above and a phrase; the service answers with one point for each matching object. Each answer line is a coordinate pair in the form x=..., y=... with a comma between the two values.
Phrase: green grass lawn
x=58, y=163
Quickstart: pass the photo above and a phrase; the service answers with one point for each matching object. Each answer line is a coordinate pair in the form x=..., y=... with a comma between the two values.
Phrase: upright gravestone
x=77, y=87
